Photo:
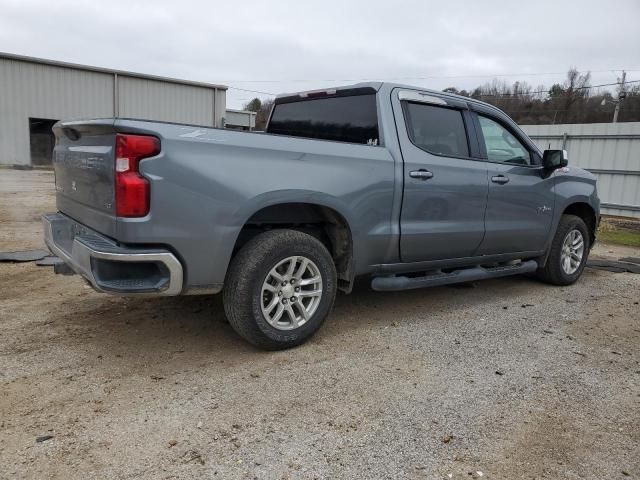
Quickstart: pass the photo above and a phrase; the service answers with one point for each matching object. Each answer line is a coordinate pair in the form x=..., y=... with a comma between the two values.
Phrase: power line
x=252, y=91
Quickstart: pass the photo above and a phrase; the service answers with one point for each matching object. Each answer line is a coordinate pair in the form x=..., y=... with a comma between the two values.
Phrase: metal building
x=35, y=93
x=240, y=119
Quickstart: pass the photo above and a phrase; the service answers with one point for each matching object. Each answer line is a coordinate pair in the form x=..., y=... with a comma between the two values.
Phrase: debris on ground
x=192, y=456
x=447, y=438
x=614, y=266
x=43, y=438
x=49, y=261
x=631, y=260
x=23, y=256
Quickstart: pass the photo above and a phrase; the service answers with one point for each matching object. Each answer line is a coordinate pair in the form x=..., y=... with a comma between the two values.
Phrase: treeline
x=573, y=101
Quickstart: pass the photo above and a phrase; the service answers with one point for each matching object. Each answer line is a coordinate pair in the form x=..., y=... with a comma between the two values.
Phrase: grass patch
x=620, y=237
x=619, y=232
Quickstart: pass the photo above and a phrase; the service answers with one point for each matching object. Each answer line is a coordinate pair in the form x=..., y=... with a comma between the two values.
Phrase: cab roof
x=373, y=87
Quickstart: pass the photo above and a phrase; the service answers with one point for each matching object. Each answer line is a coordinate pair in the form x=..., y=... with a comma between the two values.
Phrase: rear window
x=437, y=130
x=352, y=119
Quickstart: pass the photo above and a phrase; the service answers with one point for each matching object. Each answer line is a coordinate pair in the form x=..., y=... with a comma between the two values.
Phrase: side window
x=437, y=130
x=501, y=145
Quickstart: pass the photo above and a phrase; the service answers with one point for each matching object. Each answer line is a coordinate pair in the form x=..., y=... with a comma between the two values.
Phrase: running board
x=393, y=283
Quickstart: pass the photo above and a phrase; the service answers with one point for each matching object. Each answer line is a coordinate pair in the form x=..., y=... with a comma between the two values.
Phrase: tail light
x=132, y=189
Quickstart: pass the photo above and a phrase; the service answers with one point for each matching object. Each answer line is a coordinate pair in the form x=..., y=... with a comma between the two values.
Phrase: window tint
x=345, y=119
x=437, y=130
x=501, y=145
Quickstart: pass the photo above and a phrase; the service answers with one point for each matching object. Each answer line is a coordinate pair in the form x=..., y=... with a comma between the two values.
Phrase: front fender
x=571, y=190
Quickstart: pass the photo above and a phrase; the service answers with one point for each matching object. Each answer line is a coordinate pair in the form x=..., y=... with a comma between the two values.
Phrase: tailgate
x=84, y=164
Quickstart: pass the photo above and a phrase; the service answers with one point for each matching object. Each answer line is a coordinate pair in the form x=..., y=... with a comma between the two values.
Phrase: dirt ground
x=511, y=379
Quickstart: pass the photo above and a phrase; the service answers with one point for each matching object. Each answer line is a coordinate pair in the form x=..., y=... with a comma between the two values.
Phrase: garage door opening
x=42, y=140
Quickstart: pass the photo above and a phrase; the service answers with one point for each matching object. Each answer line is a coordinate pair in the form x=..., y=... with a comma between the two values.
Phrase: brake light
x=132, y=189
x=318, y=93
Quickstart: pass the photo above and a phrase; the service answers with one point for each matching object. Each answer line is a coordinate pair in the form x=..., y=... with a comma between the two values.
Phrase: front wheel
x=280, y=288
x=569, y=252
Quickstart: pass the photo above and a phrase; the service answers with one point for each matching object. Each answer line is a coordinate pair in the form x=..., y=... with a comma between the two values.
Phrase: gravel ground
x=510, y=379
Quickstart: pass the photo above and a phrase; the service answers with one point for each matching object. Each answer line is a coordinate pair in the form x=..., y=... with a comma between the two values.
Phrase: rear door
x=445, y=187
x=521, y=199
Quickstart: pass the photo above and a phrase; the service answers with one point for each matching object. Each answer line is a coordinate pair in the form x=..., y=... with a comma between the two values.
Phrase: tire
x=246, y=300
x=554, y=272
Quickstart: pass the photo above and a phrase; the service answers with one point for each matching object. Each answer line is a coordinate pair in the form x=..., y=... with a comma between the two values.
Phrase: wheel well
x=324, y=223
x=587, y=214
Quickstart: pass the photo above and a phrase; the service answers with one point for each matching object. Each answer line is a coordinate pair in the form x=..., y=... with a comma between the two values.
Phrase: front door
x=521, y=200
x=445, y=189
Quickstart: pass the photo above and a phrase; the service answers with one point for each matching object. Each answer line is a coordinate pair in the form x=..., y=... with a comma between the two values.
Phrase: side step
x=394, y=283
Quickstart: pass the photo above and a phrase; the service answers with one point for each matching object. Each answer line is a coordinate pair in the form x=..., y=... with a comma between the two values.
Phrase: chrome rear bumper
x=109, y=267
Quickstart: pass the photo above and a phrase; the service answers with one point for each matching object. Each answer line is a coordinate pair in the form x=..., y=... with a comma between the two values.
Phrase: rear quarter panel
x=208, y=182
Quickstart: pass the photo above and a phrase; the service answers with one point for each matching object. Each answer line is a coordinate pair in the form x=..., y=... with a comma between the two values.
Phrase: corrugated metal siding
x=221, y=107
x=154, y=100
x=615, y=149
x=37, y=90
x=241, y=118
x=40, y=91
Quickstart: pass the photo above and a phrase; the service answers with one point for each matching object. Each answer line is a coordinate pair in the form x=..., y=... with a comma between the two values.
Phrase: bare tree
x=262, y=115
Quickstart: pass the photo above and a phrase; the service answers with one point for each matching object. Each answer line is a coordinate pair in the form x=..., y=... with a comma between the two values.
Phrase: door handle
x=501, y=179
x=422, y=174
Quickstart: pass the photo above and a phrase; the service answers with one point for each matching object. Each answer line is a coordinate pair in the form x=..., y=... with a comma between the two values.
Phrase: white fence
x=611, y=151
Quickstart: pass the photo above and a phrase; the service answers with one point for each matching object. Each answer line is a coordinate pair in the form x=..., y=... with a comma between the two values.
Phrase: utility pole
x=621, y=96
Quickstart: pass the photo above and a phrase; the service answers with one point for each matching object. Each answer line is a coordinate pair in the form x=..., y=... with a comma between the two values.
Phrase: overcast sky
x=284, y=46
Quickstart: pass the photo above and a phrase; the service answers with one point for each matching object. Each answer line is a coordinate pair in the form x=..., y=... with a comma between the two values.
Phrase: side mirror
x=554, y=159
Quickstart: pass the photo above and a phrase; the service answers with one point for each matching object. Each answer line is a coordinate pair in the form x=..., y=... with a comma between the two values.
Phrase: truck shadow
x=195, y=327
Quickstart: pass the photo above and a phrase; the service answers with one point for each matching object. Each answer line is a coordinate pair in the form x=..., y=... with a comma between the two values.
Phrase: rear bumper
x=109, y=267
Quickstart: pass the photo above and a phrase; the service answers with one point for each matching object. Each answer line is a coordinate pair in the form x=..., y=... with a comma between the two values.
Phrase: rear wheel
x=280, y=288
x=569, y=252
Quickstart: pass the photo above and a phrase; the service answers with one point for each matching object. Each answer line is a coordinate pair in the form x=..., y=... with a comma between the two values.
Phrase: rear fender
x=268, y=199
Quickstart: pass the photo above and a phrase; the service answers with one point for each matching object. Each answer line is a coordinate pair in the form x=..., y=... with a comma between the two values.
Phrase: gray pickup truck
x=413, y=188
